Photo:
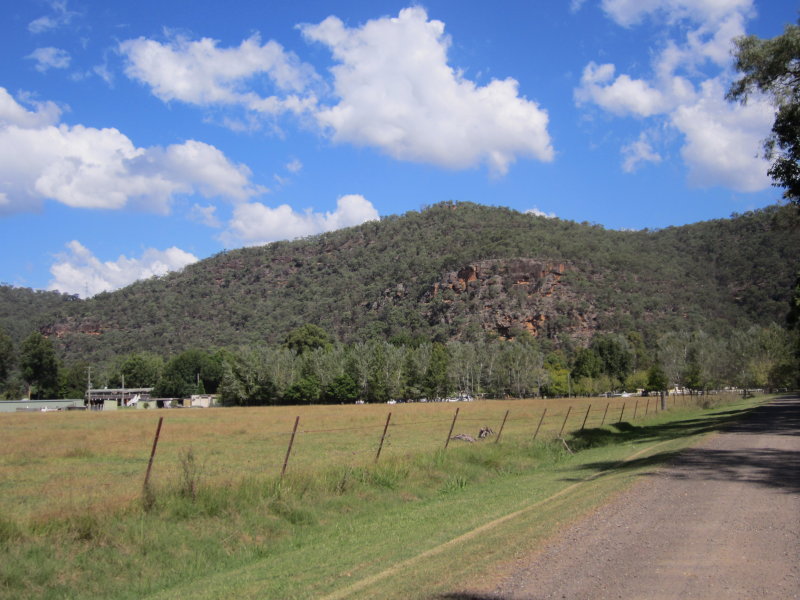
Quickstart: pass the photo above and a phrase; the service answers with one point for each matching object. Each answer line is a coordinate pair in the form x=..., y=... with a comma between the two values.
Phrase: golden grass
x=59, y=464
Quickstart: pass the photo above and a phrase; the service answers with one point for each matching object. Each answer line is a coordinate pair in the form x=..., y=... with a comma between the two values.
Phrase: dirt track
x=720, y=521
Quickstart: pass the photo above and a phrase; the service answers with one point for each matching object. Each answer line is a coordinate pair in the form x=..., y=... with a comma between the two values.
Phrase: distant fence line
x=551, y=424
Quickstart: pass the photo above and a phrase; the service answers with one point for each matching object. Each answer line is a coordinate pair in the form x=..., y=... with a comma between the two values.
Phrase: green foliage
x=377, y=279
x=183, y=374
x=137, y=370
x=631, y=297
x=342, y=389
x=72, y=380
x=435, y=381
x=558, y=381
x=305, y=390
x=772, y=67
x=636, y=381
x=39, y=365
x=587, y=364
x=693, y=376
x=615, y=355
x=247, y=380
x=656, y=379
x=7, y=356
x=307, y=337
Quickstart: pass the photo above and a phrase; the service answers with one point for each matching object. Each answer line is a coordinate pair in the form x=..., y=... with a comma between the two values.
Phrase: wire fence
x=74, y=463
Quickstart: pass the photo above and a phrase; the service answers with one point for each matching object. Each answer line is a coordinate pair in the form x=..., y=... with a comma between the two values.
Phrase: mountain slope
x=454, y=270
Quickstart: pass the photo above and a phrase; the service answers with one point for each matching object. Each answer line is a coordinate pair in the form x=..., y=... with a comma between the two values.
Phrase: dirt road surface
x=720, y=521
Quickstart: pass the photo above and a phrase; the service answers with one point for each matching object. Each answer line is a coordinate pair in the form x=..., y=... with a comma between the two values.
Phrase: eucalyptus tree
x=247, y=379
x=523, y=364
x=436, y=382
x=39, y=364
x=137, y=370
x=772, y=67
x=464, y=367
x=7, y=358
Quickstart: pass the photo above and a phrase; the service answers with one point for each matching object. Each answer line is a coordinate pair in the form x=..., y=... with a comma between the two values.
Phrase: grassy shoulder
x=409, y=527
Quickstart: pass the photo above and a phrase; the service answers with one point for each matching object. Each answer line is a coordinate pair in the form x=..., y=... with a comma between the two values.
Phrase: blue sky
x=138, y=137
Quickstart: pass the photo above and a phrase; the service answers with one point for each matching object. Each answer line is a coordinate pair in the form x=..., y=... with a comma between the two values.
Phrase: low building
x=111, y=398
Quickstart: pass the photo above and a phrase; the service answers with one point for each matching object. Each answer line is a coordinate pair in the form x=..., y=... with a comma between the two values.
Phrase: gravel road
x=720, y=521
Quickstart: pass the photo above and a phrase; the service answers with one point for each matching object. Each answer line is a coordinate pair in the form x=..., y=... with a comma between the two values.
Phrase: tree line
x=309, y=366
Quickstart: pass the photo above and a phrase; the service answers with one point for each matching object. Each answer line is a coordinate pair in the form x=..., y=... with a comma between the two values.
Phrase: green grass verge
x=410, y=527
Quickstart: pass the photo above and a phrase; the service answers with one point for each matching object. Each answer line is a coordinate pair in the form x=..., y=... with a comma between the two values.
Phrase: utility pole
x=88, y=386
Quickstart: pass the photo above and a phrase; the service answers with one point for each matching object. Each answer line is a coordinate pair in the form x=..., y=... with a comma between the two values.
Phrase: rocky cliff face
x=510, y=296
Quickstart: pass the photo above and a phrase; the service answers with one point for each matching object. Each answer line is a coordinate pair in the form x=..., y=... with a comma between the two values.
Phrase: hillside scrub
x=399, y=278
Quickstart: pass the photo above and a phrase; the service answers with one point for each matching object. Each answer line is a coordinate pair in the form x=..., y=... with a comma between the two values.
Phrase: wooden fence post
x=635, y=409
x=544, y=412
x=452, y=425
x=152, y=454
x=499, y=433
x=622, y=412
x=564, y=424
x=383, y=437
x=289, y=449
x=605, y=412
x=586, y=417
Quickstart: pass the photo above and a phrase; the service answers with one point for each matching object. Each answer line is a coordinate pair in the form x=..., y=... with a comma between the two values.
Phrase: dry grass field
x=58, y=464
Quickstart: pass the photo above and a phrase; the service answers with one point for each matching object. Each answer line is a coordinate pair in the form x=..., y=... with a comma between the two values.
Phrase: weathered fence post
x=605, y=412
x=499, y=433
x=635, y=409
x=289, y=449
x=452, y=425
x=152, y=454
x=564, y=424
x=663, y=401
x=622, y=412
x=383, y=437
x=586, y=417
x=544, y=412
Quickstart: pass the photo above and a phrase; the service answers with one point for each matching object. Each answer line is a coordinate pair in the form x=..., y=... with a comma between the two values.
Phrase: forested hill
x=451, y=271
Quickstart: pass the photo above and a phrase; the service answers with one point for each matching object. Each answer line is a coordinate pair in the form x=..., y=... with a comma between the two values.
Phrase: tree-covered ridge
x=377, y=281
x=23, y=310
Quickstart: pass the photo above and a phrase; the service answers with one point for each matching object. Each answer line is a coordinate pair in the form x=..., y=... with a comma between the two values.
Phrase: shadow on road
x=771, y=467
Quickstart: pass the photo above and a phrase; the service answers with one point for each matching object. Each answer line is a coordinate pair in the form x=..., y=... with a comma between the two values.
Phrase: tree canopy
x=772, y=67
x=6, y=355
x=39, y=365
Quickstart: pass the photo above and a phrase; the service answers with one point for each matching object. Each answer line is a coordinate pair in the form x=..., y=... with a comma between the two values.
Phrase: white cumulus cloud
x=60, y=16
x=201, y=73
x=79, y=271
x=85, y=167
x=685, y=91
x=621, y=96
x=392, y=89
x=535, y=211
x=398, y=93
x=255, y=223
x=207, y=215
x=632, y=12
x=12, y=113
x=724, y=140
x=294, y=166
x=50, y=58
x=640, y=151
